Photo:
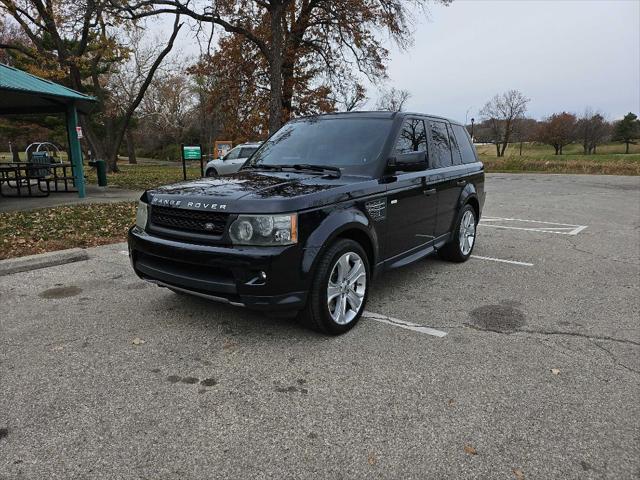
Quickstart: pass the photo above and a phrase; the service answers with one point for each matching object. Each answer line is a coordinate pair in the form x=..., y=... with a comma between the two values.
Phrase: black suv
x=326, y=204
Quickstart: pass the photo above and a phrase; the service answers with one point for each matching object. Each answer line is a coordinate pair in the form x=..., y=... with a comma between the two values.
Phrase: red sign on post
x=79, y=132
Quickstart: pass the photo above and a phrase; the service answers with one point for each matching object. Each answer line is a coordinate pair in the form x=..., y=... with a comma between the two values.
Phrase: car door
x=412, y=203
x=243, y=154
x=446, y=164
x=227, y=163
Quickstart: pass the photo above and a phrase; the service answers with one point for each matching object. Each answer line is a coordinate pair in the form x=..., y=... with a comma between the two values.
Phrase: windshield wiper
x=317, y=168
x=260, y=166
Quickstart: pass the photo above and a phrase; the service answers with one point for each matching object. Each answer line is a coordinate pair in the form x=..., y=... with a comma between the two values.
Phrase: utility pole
x=473, y=120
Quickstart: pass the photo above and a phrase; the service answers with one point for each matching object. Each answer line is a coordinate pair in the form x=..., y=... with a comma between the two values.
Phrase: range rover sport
x=324, y=206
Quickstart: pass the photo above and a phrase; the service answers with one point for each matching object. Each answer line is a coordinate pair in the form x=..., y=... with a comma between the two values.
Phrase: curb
x=42, y=260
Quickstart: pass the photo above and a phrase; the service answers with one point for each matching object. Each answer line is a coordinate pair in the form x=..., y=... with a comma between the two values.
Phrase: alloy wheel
x=346, y=288
x=467, y=233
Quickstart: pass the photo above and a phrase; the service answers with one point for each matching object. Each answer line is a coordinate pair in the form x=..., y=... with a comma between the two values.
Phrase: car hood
x=262, y=192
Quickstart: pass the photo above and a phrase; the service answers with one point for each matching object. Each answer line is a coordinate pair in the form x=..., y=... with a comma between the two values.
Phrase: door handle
x=430, y=191
x=461, y=183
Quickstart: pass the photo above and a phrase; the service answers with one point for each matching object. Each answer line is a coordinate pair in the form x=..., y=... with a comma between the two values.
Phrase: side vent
x=377, y=209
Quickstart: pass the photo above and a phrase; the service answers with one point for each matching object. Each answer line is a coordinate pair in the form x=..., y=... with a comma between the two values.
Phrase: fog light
x=263, y=275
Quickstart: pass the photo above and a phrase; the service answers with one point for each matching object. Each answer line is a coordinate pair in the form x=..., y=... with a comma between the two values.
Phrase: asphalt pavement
x=534, y=374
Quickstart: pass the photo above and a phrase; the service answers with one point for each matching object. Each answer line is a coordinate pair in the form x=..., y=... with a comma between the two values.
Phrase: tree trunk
x=131, y=148
x=593, y=149
x=627, y=149
x=15, y=153
x=287, y=91
x=497, y=149
x=504, y=147
x=557, y=149
x=275, y=68
x=521, y=148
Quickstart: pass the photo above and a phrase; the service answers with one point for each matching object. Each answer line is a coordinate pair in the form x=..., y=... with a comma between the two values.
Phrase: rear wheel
x=339, y=291
x=463, y=238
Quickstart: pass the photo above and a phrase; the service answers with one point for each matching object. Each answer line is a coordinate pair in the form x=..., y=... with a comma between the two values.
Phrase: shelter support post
x=75, y=151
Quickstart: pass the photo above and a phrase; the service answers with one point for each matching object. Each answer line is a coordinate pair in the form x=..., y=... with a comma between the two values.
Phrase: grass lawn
x=610, y=159
x=142, y=177
x=58, y=228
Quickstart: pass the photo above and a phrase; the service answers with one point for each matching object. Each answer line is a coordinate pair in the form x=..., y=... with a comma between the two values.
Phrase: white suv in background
x=232, y=161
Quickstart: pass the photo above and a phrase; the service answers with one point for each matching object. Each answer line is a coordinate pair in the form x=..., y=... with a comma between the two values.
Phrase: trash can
x=101, y=171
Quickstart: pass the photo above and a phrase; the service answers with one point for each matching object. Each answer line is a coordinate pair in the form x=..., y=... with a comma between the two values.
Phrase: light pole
x=473, y=120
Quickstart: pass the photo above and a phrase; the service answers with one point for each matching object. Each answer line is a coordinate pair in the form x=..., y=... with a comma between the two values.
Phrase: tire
x=326, y=316
x=458, y=248
x=212, y=172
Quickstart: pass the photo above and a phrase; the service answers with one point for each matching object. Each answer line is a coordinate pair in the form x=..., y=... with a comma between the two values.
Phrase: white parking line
x=402, y=324
x=501, y=260
x=554, y=227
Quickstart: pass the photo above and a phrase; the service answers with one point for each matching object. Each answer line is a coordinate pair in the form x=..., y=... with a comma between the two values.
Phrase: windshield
x=351, y=144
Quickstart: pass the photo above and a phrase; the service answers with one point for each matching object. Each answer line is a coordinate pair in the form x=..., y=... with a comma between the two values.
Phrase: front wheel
x=211, y=173
x=463, y=238
x=340, y=287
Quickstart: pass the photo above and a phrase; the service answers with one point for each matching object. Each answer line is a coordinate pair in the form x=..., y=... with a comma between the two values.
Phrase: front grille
x=211, y=223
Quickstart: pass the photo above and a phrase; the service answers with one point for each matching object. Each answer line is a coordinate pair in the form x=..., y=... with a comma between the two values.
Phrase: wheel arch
x=348, y=224
x=469, y=195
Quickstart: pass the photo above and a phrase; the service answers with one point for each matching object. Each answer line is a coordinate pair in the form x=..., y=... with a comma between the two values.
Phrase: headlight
x=142, y=213
x=264, y=230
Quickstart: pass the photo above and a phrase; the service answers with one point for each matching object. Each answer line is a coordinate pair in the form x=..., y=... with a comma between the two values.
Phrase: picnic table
x=37, y=178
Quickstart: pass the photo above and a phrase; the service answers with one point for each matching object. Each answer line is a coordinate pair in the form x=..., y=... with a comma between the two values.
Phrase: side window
x=233, y=154
x=246, y=152
x=468, y=152
x=413, y=137
x=455, y=148
x=440, y=150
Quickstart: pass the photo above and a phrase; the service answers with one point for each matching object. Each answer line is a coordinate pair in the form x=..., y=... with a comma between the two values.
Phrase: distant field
x=537, y=149
x=610, y=159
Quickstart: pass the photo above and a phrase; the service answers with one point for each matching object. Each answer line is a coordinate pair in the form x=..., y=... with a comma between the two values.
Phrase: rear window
x=464, y=141
x=440, y=150
x=455, y=148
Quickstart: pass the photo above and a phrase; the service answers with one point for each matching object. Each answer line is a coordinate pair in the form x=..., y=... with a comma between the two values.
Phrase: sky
x=565, y=55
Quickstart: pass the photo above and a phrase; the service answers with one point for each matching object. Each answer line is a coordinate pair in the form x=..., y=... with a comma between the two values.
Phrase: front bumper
x=227, y=274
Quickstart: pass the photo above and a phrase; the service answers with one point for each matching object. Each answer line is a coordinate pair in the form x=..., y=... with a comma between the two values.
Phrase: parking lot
x=529, y=367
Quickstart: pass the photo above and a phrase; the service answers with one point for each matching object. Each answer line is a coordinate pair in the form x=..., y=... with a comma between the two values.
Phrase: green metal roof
x=31, y=94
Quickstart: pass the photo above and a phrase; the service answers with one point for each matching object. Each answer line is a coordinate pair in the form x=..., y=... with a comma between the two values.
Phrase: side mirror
x=407, y=162
x=220, y=157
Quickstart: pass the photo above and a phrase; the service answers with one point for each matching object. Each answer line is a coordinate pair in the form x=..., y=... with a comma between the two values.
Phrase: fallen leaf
x=451, y=402
x=470, y=450
x=518, y=473
x=555, y=371
x=138, y=341
x=372, y=459
x=228, y=344
x=58, y=348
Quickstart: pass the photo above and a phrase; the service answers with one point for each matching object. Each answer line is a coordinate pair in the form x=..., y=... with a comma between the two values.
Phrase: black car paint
x=418, y=217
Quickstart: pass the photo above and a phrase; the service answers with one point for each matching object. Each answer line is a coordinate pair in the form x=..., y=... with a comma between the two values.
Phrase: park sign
x=191, y=152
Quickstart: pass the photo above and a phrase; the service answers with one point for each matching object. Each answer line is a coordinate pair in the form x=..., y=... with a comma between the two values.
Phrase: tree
x=591, y=130
x=627, y=130
x=502, y=113
x=79, y=44
x=392, y=100
x=349, y=96
x=558, y=130
x=340, y=35
x=524, y=130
